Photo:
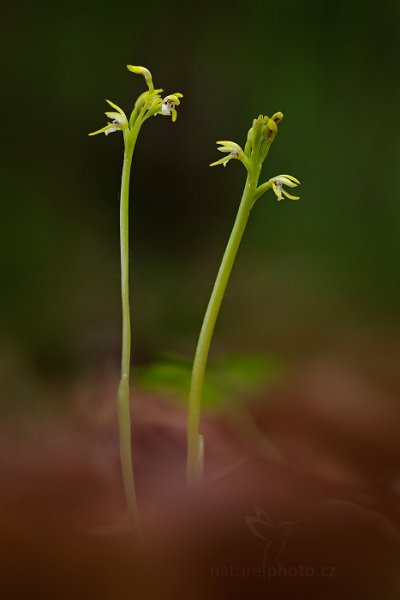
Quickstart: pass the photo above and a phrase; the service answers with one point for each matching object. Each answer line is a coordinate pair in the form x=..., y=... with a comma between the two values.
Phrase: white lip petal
x=111, y=129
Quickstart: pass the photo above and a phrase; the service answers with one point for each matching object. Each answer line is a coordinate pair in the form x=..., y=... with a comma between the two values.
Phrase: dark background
x=310, y=275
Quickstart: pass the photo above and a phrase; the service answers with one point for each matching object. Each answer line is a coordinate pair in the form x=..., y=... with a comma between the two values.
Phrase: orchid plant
x=259, y=140
x=149, y=103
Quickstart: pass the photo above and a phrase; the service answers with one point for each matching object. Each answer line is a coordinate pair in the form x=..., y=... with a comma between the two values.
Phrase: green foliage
x=228, y=379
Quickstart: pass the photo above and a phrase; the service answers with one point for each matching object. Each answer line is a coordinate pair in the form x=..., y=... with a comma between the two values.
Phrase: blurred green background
x=308, y=273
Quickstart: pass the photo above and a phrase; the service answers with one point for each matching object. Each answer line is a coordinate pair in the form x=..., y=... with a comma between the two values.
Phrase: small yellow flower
x=233, y=150
x=169, y=103
x=119, y=121
x=278, y=182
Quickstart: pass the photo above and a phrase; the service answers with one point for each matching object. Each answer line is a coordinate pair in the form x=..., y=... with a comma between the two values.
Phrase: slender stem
x=124, y=411
x=194, y=465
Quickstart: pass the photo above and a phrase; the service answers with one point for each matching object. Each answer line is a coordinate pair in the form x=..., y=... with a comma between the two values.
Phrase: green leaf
x=228, y=379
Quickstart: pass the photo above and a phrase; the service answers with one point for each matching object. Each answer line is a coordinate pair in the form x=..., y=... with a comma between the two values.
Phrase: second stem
x=194, y=466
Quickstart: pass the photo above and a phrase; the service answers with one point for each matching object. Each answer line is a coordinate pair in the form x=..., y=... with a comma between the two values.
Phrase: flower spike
x=148, y=104
x=259, y=139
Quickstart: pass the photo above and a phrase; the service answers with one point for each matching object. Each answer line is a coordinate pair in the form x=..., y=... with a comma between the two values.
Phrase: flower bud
x=142, y=71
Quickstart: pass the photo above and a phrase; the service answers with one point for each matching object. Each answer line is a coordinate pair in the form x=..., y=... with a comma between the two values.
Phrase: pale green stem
x=194, y=466
x=124, y=410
